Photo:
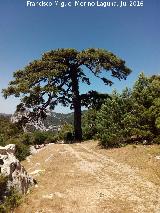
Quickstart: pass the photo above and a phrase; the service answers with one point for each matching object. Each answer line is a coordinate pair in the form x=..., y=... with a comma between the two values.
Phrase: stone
x=30, y=123
x=157, y=157
x=11, y=167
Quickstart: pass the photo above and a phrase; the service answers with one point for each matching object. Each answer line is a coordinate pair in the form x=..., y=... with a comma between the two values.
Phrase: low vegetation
x=12, y=134
x=9, y=199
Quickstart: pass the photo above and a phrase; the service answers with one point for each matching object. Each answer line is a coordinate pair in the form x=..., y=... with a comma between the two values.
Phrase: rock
x=29, y=123
x=33, y=150
x=39, y=146
x=36, y=148
x=10, y=167
x=157, y=157
x=11, y=148
x=37, y=172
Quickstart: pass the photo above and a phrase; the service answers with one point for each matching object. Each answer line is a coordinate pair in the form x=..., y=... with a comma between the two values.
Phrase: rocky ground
x=82, y=178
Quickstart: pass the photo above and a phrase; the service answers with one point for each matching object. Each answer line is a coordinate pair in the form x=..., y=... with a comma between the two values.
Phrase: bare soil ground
x=82, y=178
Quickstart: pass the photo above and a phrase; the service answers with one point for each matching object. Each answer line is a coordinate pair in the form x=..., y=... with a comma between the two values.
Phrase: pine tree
x=56, y=76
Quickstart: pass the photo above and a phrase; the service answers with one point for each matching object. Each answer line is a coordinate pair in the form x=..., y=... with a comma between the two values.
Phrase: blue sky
x=133, y=33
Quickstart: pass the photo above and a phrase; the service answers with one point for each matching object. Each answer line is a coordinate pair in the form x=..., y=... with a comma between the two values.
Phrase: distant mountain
x=5, y=115
x=53, y=120
x=58, y=119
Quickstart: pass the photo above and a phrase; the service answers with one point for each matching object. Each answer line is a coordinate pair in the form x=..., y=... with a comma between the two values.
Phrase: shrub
x=8, y=129
x=22, y=151
x=51, y=137
x=10, y=201
x=39, y=137
x=2, y=143
x=27, y=138
x=89, y=127
x=3, y=186
x=110, y=141
x=65, y=130
x=68, y=137
x=156, y=140
x=2, y=208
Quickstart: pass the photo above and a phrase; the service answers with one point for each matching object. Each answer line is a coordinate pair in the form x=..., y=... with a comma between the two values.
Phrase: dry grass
x=82, y=178
x=141, y=158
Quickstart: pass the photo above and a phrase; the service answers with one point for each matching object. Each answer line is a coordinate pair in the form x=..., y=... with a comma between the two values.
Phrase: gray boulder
x=10, y=167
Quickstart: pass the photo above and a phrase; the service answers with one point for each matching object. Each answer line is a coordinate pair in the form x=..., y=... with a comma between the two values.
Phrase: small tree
x=133, y=115
x=56, y=76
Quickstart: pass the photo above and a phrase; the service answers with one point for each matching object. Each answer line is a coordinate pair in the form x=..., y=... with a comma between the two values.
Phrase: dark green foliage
x=2, y=142
x=9, y=199
x=156, y=140
x=39, y=137
x=93, y=99
x=109, y=121
x=56, y=76
x=27, y=138
x=24, y=140
x=22, y=151
x=3, y=187
x=66, y=132
x=51, y=138
x=89, y=126
x=7, y=129
x=146, y=96
x=12, y=200
x=68, y=137
x=12, y=134
x=2, y=208
x=132, y=116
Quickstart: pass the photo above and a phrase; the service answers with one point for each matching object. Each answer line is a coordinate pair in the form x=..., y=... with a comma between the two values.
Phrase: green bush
x=156, y=140
x=68, y=137
x=3, y=186
x=65, y=130
x=110, y=141
x=89, y=127
x=2, y=208
x=8, y=129
x=39, y=137
x=27, y=138
x=51, y=138
x=23, y=142
x=22, y=150
x=2, y=143
x=10, y=201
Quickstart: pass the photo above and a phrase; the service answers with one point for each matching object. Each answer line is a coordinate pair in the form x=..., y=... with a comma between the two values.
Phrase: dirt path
x=75, y=179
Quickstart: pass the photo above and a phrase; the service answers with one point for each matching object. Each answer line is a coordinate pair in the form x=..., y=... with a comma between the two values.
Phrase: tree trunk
x=77, y=106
